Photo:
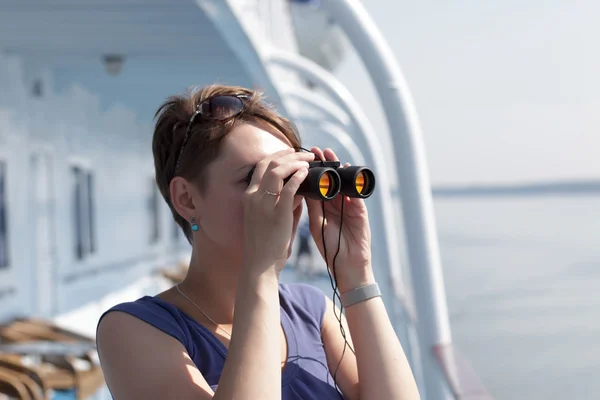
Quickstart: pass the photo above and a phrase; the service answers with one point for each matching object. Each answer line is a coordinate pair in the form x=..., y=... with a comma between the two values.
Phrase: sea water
x=522, y=278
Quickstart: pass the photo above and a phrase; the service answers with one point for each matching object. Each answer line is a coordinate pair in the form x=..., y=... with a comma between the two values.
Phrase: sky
x=506, y=91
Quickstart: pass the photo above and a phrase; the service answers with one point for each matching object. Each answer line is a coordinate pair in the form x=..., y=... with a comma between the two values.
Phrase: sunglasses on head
x=218, y=108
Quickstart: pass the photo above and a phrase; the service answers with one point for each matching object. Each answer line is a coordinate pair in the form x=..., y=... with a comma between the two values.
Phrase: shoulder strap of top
x=304, y=301
x=157, y=314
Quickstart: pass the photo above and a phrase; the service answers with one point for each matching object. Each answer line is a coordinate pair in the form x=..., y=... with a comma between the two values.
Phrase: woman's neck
x=211, y=282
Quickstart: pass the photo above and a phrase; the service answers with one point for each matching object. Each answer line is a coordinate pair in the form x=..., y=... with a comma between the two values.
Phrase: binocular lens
x=321, y=184
x=325, y=185
x=359, y=182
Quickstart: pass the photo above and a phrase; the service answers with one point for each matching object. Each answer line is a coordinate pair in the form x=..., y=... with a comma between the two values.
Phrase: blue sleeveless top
x=305, y=375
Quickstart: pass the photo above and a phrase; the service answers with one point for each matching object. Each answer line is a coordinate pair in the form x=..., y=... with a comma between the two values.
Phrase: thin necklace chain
x=199, y=309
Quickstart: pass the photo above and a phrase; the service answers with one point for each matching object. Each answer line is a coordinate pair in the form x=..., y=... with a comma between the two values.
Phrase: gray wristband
x=360, y=294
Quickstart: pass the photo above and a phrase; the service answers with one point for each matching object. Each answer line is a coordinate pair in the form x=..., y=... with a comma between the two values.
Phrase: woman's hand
x=353, y=263
x=268, y=207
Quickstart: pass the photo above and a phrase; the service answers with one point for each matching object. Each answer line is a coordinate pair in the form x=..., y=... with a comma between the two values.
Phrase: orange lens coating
x=325, y=184
x=359, y=182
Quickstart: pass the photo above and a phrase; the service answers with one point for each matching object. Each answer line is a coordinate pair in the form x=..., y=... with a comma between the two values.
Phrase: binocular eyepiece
x=326, y=179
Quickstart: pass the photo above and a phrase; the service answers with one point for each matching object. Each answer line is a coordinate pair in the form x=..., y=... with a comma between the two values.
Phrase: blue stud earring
x=194, y=224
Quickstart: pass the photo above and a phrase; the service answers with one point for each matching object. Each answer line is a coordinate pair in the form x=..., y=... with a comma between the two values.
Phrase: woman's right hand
x=268, y=219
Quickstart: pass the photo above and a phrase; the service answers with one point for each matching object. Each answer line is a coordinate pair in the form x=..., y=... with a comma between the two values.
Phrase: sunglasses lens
x=222, y=107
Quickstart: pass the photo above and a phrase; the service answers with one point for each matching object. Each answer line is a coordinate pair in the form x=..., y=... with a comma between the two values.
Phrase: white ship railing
x=352, y=119
x=419, y=222
x=440, y=375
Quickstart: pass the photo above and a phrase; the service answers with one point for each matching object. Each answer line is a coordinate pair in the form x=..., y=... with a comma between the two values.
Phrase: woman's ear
x=184, y=198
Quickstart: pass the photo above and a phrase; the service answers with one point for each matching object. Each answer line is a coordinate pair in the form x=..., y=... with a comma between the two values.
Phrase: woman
x=230, y=330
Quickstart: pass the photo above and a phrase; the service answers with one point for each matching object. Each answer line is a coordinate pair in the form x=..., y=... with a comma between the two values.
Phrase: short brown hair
x=205, y=138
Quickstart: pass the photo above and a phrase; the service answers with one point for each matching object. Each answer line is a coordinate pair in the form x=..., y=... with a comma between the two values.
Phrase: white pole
x=418, y=213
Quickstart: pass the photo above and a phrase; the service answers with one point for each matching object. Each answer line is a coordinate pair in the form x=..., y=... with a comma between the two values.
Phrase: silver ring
x=271, y=193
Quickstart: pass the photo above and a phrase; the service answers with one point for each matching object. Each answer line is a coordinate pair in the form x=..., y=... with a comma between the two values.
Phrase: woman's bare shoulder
x=141, y=361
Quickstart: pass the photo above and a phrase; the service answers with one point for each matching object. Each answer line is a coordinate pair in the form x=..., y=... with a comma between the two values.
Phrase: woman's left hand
x=353, y=262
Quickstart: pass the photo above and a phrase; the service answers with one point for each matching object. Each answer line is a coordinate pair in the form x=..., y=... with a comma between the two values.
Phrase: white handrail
x=423, y=248
x=366, y=139
x=394, y=296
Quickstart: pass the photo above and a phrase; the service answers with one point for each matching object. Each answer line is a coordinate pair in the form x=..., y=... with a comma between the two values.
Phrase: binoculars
x=326, y=179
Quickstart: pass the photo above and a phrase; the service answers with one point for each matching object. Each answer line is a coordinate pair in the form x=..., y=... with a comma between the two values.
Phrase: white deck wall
x=73, y=129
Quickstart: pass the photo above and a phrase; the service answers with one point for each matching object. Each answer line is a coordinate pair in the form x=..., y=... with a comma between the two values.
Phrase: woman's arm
x=141, y=362
x=380, y=369
x=253, y=367
x=380, y=366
